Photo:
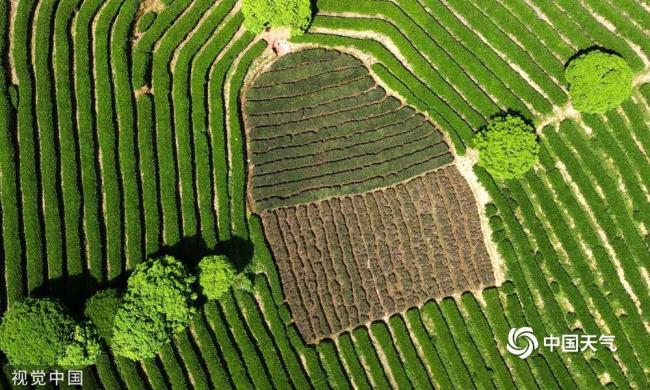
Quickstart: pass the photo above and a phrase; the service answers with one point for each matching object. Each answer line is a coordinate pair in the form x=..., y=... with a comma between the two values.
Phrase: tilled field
x=348, y=260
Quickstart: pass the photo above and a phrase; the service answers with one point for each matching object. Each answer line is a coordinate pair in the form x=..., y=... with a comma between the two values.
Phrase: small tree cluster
x=598, y=81
x=217, y=275
x=158, y=303
x=40, y=333
x=507, y=147
x=292, y=14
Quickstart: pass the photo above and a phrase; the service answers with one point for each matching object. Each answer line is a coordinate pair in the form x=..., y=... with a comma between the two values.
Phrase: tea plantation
x=122, y=138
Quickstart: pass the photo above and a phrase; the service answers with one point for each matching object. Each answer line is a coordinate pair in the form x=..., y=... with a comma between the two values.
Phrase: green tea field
x=131, y=129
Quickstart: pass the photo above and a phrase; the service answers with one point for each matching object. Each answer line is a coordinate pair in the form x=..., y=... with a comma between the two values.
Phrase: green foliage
x=507, y=147
x=146, y=21
x=243, y=283
x=158, y=303
x=35, y=332
x=216, y=276
x=83, y=349
x=293, y=14
x=598, y=81
x=101, y=309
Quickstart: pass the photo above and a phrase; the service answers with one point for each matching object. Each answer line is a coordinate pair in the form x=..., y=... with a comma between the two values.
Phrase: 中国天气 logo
x=516, y=339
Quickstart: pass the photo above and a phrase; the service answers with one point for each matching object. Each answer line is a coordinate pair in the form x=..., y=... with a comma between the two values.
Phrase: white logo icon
x=522, y=333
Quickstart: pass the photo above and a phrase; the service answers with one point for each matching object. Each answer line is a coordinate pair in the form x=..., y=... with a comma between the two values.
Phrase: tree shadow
x=238, y=250
x=190, y=250
x=589, y=50
x=314, y=11
x=72, y=291
x=512, y=112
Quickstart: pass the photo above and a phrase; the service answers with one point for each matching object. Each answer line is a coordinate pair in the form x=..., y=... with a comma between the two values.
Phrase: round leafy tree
x=158, y=303
x=507, y=147
x=101, y=309
x=216, y=276
x=292, y=14
x=84, y=348
x=35, y=333
x=598, y=81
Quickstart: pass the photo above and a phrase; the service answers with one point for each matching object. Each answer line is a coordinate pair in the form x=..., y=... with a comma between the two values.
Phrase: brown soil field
x=349, y=260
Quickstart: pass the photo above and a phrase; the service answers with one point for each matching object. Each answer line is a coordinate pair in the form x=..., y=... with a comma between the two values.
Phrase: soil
x=145, y=89
x=13, y=5
x=278, y=40
x=156, y=6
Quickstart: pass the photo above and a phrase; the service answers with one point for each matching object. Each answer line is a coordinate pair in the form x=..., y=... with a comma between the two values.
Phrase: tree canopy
x=101, y=309
x=83, y=349
x=598, y=81
x=35, y=332
x=507, y=147
x=158, y=303
x=293, y=14
x=216, y=276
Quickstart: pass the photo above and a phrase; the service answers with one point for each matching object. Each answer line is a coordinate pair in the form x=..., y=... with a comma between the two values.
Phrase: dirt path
x=465, y=166
x=13, y=11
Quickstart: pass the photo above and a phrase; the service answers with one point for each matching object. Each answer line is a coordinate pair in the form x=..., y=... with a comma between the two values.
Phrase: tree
x=35, y=333
x=217, y=275
x=598, y=81
x=158, y=303
x=101, y=309
x=293, y=14
x=507, y=147
x=83, y=349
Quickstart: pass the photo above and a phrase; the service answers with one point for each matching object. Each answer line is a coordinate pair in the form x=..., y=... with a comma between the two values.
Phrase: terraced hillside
x=120, y=139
